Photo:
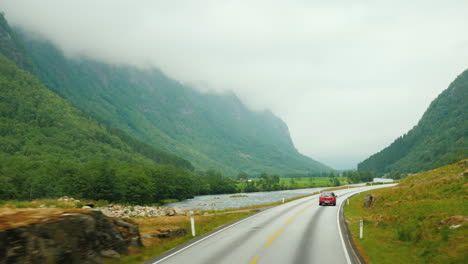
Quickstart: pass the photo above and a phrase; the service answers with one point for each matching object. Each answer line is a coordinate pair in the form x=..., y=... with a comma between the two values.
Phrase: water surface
x=225, y=201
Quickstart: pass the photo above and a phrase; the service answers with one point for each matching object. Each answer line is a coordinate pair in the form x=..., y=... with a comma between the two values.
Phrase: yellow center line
x=273, y=238
x=298, y=213
x=290, y=220
x=254, y=260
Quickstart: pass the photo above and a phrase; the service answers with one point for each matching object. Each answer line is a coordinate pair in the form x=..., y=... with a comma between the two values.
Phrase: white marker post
x=192, y=223
x=347, y=201
x=361, y=227
x=283, y=199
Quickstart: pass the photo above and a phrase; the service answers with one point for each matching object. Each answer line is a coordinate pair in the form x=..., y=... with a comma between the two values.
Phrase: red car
x=327, y=198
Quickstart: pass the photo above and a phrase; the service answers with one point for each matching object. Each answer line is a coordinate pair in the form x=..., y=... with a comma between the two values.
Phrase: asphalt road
x=297, y=232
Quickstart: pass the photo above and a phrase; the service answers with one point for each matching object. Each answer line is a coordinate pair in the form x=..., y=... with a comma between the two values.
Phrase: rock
x=86, y=207
x=42, y=206
x=109, y=253
x=170, y=212
x=454, y=226
x=171, y=232
x=179, y=211
x=368, y=201
x=77, y=236
x=454, y=220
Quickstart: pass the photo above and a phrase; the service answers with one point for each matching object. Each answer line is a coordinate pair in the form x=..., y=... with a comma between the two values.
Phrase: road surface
x=297, y=232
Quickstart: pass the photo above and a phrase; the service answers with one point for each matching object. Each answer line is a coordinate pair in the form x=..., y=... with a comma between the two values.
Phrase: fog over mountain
x=348, y=77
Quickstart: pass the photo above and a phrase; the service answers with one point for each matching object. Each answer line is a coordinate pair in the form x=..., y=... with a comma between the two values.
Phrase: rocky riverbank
x=121, y=211
x=139, y=211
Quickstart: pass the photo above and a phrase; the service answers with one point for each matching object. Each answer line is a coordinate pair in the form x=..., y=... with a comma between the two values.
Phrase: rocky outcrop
x=64, y=236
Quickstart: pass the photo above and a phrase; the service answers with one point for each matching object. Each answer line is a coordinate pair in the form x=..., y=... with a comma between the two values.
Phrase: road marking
x=273, y=238
x=290, y=220
x=345, y=249
x=254, y=260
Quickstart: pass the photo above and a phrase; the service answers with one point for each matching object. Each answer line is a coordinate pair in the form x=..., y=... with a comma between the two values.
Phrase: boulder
x=369, y=200
x=179, y=211
x=78, y=236
x=170, y=212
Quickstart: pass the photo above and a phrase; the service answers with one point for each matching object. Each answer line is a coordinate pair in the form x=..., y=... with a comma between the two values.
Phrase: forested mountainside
x=440, y=137
x=209, y=130
x=48, y=148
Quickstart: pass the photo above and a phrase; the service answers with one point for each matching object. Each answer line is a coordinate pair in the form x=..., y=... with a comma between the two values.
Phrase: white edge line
x=348, y=260
x=338, y=218
x=198, y=241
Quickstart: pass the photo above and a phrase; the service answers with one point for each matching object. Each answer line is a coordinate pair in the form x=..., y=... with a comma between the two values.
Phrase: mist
x=348, y=77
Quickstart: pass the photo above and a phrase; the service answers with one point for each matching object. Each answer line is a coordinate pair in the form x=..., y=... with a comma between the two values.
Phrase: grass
x=410, y=223
x=51, y=203
x=309, y=182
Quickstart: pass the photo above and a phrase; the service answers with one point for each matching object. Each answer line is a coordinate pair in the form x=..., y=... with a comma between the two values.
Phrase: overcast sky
x=347, y=76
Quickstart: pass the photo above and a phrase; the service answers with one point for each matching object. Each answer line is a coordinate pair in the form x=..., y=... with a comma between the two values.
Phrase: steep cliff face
x=63, y=236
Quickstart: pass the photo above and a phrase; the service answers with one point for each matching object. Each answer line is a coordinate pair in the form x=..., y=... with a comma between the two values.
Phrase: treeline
x=360, y=176
x=316, y=174
x=113, y=181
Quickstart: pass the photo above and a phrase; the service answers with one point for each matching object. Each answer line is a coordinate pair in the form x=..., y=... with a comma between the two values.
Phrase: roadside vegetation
x=422, y=220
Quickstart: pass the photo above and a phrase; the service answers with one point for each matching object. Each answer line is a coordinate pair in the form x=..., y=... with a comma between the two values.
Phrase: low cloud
x=348, y=77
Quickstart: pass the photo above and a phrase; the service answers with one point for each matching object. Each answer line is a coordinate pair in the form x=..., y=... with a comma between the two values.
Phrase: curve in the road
x=296, y=232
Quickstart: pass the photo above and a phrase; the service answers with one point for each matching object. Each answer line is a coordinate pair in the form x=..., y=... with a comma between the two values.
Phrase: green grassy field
x=310, y=182
x=416, y=221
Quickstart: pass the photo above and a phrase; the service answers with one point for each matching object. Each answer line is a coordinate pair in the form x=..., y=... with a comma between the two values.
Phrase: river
x=226, y=201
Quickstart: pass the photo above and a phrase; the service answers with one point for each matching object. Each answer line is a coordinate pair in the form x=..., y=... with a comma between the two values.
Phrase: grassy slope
x=410, y=223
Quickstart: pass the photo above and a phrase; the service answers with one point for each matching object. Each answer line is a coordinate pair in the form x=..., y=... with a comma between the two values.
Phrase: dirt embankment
x=63, y=236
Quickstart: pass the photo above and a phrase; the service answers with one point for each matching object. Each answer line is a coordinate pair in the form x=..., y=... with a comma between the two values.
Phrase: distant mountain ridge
x=211, y=131
x=439, y=138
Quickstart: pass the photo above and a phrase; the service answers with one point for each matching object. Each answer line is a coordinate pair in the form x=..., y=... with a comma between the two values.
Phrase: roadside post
x=192, y=223
x=347, y=201
x=361, y=227
x=283, y=199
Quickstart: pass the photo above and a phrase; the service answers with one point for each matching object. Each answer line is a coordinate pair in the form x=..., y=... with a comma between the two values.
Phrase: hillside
x=424, y=219
x=48, y=148
x=210, y=130
x=440, y=137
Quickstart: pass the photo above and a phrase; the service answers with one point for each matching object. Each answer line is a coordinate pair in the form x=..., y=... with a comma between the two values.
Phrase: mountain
x=210, y=130
x=440, y=137
x=49, y=148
